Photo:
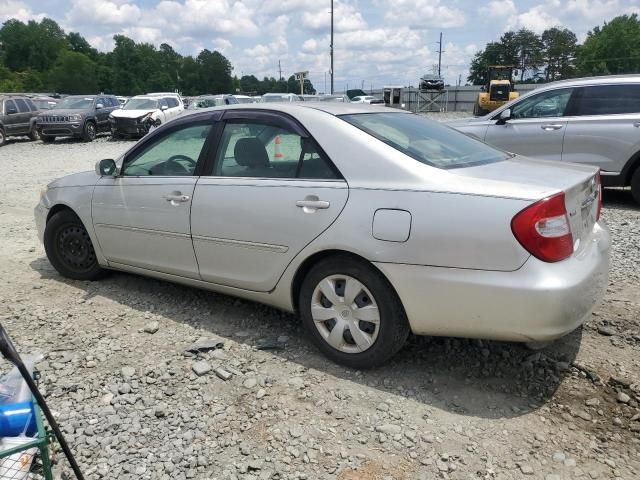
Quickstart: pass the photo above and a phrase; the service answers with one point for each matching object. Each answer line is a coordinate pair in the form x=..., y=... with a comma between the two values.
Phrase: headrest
x=250, y=152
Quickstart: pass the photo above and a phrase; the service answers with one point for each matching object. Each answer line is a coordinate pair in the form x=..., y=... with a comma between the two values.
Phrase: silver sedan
x=369, y=223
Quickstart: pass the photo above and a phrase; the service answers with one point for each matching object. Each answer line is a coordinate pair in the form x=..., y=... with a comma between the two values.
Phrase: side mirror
x=106, y=167
x=11, y=110
x=504, y=116
x=99, y=106
x=164, y=107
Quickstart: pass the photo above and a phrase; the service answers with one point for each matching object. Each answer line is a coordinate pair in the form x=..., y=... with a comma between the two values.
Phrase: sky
x=377, y=42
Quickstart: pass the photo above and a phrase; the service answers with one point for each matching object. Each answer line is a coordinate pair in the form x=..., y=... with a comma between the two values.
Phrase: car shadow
x=471, y=377
x=619, y=198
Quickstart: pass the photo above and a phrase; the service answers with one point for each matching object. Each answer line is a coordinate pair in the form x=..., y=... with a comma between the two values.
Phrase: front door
x=537, y=126
x=141, y=217
x=270, y=193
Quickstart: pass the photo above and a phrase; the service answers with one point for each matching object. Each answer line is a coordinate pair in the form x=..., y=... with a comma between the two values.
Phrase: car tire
x=47, y=138
x=33, y=134
x=90, y=131
x=373, y=298
x=69, y=248
x=635, y=185
x=3, y=137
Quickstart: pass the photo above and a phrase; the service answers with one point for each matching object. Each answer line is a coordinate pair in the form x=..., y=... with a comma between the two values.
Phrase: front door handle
x=551, y=126
x=312, y=203
x=176, y=197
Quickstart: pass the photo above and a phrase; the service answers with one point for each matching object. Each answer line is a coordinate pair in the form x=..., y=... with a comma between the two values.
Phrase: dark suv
x=17, y=117
x=80, y=116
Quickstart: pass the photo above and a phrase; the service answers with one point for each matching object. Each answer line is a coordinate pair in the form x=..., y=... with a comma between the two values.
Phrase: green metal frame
x=40, y=441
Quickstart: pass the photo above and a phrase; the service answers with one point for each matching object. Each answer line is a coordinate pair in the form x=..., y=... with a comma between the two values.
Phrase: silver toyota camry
x=368, y=222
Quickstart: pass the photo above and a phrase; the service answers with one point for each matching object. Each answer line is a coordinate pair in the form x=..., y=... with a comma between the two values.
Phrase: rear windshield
x=424, y=140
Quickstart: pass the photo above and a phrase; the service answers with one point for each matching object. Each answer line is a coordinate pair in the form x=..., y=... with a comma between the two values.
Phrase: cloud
x=18, y=10
x=104, y=12
x=422, y=14
x=345, y=19
x=537, y=19
x=498, y=8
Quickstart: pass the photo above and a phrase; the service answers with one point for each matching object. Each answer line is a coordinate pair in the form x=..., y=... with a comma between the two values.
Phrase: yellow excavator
x=498, y=90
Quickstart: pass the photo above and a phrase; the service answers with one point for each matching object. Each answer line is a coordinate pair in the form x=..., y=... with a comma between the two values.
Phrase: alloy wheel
x=91, y=131
x=345, y=313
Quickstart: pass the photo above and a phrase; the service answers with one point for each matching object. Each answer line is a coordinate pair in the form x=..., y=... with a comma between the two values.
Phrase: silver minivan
x=592, y=120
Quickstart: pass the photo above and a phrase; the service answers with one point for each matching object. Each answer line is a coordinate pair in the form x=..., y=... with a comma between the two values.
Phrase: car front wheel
x=69, y=248
x=90, y=131
x=3, y=138
x=352, y=313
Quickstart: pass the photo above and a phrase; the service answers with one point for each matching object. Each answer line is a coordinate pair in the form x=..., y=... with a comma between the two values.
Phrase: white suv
x=144, y=112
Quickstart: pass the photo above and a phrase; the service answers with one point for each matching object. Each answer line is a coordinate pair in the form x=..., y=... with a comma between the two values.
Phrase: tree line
x=42, y=57
x=613, y=48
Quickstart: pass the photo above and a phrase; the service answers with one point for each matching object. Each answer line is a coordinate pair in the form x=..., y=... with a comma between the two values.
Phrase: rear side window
x=425, y=140
x=9, y=105
x=31, y=105
x=609, y=100
x=22, y=105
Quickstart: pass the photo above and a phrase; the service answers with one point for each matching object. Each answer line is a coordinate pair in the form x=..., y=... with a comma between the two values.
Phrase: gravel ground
x=135, y=404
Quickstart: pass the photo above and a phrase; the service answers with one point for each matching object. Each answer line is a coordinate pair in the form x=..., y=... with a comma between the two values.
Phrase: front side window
x=253, y=149
x=546, y=104
x=609, y=100
x=424, y=140
x=171, y=102
x=173, y=155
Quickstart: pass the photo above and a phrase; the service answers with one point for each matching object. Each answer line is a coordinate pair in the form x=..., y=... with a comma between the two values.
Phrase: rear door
x=102, y=112
x=605, y=130
x=23, y=124
x=270, y=192
x=537, y=125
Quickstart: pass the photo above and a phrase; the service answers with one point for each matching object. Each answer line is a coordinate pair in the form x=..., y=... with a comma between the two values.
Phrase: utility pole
x=331, y=47
x=325, y=83
x=280, y=69
x=440, y=51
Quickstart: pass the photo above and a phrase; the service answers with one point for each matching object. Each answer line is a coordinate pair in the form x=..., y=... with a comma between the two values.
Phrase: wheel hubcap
x=92, y=130
x=345, y=314
x=76, y=251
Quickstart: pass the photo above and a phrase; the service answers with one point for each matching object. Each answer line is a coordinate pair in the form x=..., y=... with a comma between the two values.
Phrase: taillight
x=543, y=229
x=599, y=189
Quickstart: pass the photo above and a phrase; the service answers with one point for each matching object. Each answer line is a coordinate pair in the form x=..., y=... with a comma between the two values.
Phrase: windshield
x=424, y=140
x=141, y=104
x=44, y=104
x=75, y=103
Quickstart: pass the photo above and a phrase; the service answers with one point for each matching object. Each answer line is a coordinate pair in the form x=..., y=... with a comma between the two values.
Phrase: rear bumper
x=538, y=302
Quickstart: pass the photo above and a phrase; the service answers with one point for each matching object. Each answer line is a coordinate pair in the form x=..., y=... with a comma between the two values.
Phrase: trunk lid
x=534, y=180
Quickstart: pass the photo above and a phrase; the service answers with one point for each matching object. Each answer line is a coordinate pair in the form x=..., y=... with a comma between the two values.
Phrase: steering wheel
x=174, y=160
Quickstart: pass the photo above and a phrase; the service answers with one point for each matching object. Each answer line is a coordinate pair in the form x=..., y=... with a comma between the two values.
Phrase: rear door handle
x=312, y=204
x=551, y=126
x=176, y=198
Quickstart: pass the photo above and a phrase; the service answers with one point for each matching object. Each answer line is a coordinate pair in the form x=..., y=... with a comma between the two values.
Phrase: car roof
x=600, y=80
x=332, y=108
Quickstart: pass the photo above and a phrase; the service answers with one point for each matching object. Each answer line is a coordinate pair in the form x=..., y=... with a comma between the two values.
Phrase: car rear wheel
x=69, y=248
x=90, y=131
x=352, y=313
x=635, y=185
x=3, y=137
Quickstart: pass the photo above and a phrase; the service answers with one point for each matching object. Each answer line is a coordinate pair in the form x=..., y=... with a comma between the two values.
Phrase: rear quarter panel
x=447, y=230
